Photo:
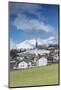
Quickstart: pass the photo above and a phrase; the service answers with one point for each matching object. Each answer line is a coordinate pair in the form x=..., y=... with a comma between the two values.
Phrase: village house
x=34, y=57
x=22, y=65
x=42, y=61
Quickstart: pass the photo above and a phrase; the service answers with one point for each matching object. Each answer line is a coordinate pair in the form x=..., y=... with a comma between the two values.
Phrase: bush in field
x=13, y=58
x=50, y=56
x=13, y=53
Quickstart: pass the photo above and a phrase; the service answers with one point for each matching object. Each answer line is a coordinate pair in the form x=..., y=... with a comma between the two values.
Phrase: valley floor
x=45, y=75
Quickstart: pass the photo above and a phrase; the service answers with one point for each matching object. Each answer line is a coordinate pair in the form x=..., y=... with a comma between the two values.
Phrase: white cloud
x=51, y=38
x=18, y=8
x=26, y=24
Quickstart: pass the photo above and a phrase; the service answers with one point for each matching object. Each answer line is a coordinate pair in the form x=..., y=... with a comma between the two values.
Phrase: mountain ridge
x=30, y=44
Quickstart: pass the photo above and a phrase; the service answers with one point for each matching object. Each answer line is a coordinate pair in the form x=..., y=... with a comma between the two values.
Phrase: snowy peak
x=27, y=44
x=30, y=44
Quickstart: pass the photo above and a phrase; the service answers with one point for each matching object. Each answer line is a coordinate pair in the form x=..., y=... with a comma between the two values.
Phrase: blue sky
x=32, y=21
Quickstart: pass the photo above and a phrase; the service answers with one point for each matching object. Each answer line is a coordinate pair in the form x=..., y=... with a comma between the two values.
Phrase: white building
x=20, y=58
x=22, y=64
x=42, y=61
x=29, y=65
x=55, y=58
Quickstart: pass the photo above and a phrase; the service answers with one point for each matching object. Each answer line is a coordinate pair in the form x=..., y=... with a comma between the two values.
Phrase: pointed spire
x=36, y=44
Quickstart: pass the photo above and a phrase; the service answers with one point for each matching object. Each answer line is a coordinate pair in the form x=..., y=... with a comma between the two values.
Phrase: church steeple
x=36, y=44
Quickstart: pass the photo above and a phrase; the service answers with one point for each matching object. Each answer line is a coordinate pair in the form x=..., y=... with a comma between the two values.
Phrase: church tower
x=36, y=44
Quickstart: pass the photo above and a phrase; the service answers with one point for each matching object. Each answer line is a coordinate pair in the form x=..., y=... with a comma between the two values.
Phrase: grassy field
x=45, y=75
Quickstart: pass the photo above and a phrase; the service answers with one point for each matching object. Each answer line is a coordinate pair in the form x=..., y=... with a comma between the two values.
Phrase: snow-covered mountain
x=27, y=44
x=30, y=44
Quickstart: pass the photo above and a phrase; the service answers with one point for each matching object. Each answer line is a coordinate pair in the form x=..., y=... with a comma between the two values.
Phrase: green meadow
x=45, y=75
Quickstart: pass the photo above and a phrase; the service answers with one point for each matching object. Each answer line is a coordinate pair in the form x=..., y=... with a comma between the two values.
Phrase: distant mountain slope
x=27, y=44
x=30, y=44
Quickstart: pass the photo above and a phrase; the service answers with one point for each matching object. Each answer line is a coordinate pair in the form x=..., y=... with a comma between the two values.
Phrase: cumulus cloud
x=18, y=8
x=51, y=38
x=26, y=24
